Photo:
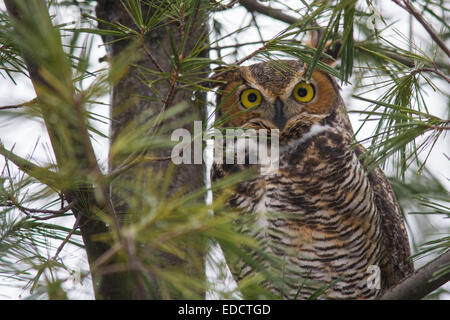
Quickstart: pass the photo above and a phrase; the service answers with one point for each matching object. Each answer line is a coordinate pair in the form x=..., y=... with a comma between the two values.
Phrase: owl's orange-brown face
x=275, y=97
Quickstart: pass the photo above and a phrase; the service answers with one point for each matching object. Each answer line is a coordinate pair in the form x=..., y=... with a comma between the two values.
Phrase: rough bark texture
x=132, y=100
x=422, y=282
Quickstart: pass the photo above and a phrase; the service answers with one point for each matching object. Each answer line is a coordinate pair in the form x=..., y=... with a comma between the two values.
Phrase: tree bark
x=133, y=101
x=422, y=282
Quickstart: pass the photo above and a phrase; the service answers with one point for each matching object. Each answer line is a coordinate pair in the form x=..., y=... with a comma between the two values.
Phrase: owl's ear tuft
x=331, y=48
x=223, y=75
x=314, y=38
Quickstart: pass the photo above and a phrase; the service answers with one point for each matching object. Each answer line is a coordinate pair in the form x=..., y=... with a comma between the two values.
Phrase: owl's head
x=275, y=95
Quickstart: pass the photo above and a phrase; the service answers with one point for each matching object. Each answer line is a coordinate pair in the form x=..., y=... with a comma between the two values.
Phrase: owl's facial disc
x=279, y=119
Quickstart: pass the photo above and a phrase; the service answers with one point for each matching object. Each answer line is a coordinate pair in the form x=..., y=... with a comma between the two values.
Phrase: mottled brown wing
x=395, y=238
x=398, y=264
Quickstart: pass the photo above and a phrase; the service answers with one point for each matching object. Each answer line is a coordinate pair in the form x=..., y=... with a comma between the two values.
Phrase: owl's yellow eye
x=250, y=98
x=304, y=92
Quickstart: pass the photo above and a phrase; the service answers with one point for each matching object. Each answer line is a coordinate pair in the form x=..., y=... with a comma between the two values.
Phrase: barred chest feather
x=317, y=215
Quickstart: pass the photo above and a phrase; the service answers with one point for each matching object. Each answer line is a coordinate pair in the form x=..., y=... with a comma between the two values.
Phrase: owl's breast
x=318, y=211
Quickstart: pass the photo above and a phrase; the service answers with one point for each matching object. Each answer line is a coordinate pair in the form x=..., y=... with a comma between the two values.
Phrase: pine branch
x=68, y=148
x=422, y=282
x=41, y=174
x=254, y=6
x=408, y=7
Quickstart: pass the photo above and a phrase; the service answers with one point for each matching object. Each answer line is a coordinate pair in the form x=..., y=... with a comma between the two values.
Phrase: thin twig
x=408, y=7
x=29, y=211
x=152, y=59
x=253, y=5
x=17, y=106
x=251, y=55
x=224, y=6
x=46, y=211
x=435, y=70
x=171, y=93
x=254, y=53
x=441, y=127
x=66, y=240
x=258, y=29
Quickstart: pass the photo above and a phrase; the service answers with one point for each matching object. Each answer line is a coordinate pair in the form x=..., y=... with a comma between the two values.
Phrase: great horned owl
x=327, y=219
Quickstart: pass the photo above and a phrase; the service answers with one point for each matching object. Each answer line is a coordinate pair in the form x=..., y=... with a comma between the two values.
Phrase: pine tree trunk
x=133, y=100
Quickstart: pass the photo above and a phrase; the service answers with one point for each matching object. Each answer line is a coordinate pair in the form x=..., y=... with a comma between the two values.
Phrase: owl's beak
x=279, y=119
